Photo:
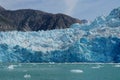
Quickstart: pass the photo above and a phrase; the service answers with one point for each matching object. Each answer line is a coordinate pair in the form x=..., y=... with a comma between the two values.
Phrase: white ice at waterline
x=97, y=67
x=27, y=76
x=76, y=71
x=117, y=65
x=11, y=67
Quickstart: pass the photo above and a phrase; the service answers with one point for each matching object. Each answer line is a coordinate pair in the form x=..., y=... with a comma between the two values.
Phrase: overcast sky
x=82, y=9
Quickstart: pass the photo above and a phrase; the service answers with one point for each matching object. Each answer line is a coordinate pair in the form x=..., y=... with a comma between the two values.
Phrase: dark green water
x=59, y=71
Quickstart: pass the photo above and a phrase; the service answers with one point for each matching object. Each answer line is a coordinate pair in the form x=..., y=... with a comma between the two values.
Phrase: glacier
x=97, y=41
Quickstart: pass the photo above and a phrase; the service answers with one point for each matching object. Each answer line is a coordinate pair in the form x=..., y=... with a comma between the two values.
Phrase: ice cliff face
x=98, y=41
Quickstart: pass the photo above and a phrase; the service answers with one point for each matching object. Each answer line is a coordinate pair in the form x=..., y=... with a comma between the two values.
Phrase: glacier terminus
x=97, y=41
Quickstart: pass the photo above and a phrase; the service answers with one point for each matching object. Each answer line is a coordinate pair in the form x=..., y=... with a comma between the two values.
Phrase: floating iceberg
x=76, y=71
x=11, y=67
x=27, y=76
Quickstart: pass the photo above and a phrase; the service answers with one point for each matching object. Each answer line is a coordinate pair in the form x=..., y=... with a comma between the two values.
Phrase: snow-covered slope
x=98, y=41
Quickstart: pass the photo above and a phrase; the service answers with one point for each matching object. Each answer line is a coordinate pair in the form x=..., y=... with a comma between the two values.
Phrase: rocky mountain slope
x=33, y=20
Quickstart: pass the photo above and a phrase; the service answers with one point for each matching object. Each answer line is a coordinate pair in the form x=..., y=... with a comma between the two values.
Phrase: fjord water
x=59, y=71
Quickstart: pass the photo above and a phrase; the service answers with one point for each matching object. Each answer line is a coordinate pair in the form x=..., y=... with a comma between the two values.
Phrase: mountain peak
x=1, y=8
x=35, y=20
x=115, y=13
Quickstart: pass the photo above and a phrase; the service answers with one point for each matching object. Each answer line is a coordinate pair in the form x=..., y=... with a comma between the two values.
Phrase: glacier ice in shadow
x=98, y=41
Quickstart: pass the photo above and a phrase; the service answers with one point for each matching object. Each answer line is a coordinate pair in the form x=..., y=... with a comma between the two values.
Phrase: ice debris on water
x=76, y=71
x=117, y=65
x=97, y=66
x=27, y=76
x=11, y=67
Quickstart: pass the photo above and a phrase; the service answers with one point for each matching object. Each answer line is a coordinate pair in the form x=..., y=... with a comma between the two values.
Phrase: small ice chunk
x=34, y=64
x=11, y=67
x=51, y=62
x=76, y=71
x=27, y=76
x=118, y=65
x=97, y=67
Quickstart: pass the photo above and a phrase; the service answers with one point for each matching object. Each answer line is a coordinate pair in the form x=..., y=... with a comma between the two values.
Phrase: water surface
x=59, y=71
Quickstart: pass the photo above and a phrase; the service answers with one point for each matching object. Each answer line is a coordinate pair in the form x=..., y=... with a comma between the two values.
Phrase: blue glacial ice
x=98, y=41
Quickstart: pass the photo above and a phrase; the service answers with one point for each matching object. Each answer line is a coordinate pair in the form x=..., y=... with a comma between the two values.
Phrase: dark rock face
x=5, y=24
x=33, y=20
x=1, y=8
